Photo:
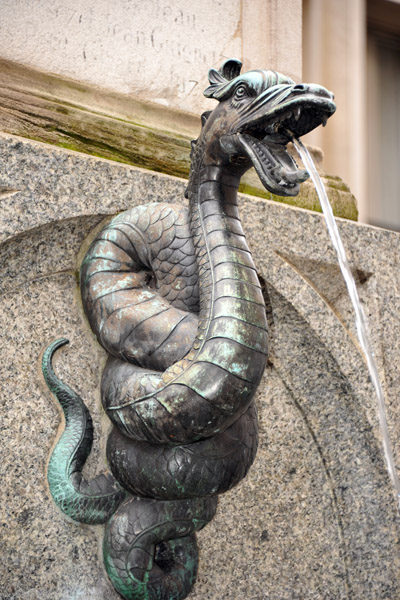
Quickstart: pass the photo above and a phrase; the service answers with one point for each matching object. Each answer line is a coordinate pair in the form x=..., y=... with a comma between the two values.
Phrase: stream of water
x=361, y=322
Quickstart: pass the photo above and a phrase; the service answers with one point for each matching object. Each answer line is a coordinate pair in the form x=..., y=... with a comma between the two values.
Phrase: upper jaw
x=262, y=136
x=299, y=108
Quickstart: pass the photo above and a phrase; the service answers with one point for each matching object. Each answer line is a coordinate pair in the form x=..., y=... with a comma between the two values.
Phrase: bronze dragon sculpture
x=173, y=296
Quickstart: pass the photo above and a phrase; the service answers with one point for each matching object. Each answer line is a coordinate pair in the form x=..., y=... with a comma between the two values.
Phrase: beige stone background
x=317, y=517
x=155, y=50
x=160, y=50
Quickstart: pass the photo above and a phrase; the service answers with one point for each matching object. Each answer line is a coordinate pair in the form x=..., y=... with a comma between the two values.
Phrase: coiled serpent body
x=173, y=296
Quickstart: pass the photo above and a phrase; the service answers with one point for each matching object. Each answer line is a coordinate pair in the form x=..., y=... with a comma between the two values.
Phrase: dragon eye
x=241, y=92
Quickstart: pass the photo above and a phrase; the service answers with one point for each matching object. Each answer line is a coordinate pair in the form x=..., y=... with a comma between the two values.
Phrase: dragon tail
x=150, y=550
x=85, y=501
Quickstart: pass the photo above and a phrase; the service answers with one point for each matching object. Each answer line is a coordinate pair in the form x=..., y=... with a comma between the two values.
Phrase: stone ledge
x=101, y=123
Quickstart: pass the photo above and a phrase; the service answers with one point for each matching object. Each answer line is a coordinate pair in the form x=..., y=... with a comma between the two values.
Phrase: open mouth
x=265, y=140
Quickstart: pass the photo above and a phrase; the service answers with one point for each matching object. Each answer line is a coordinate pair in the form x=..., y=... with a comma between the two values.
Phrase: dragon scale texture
x=173, y=296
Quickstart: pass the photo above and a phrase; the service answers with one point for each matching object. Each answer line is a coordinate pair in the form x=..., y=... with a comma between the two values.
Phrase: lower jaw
x=264, y=161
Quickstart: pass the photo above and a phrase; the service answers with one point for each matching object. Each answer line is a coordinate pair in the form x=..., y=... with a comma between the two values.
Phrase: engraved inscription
x=145, y=48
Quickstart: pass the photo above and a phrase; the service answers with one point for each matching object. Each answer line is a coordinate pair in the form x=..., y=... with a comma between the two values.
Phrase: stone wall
x=124, y=79
x=153, y=50
x=316, y=518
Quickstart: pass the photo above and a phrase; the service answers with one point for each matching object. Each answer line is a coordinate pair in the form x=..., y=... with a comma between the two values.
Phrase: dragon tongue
x=275, y=167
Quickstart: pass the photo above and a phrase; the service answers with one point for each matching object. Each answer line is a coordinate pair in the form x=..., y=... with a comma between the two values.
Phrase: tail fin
x=91, y=501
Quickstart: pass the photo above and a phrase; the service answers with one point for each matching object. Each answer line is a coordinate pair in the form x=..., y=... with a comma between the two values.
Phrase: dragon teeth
x=297, y=113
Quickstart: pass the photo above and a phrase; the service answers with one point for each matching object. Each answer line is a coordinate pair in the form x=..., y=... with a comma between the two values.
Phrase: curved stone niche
x=316, y=517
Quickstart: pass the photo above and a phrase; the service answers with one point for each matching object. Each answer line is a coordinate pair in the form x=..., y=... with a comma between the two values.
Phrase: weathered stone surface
x=154, y=50
x=150, y=50
x=59, y=121
x=316, y=518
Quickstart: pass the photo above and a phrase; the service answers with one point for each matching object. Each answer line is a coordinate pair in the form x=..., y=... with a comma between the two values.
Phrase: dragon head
x=258, y=113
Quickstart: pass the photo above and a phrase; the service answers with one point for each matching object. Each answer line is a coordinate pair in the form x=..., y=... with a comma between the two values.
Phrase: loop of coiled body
x=173, y=297
x=140, y=287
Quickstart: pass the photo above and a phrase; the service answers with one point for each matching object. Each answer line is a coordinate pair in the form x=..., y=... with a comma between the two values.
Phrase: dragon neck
x=220, y=243
x=214, y=220
x=232, y=310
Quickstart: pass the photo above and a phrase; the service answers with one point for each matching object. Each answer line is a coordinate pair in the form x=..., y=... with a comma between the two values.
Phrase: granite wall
x=316, y=518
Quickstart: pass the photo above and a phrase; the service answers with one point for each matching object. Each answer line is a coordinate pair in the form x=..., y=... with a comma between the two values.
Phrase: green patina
x=77, y=128
x=343, y=202
x=171, y=155
x=130, y=588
